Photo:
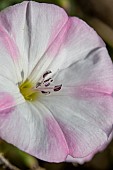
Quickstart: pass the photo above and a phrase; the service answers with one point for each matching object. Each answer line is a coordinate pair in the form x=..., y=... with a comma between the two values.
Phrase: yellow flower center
x=26, y=89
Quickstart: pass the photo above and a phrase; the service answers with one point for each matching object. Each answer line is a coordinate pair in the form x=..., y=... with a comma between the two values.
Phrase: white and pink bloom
x=56, y=84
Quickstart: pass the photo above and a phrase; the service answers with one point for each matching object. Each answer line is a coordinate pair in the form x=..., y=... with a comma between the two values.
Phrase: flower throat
x=32, y=91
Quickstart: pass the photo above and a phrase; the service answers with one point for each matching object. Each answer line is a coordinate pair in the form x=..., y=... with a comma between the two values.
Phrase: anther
x=44, y=85
x=57, y=88
x=45, y=92
x=46, y=73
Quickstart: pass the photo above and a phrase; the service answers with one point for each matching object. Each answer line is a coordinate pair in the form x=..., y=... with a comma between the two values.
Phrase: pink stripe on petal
x=49, y=142
x=59, y=40
x=56, y=30
x=89, y=91
x=9, y=44
x=6, y=103
x=54, y=131
x=56, y=147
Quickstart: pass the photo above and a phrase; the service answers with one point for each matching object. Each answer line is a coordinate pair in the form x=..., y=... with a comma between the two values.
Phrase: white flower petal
x=32, y=128
x=93, y=73
x=13, y=21
x=44, y=28
x=33, y=27
x=90, y=156
x=86, y=123
x=10, y=96
x=7, y=85
x=84, y=106
x=74, y=42
x=7, y=63
x=14, y=127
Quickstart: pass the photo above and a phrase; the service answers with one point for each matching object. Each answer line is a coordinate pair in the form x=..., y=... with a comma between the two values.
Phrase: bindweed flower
x=56, y=84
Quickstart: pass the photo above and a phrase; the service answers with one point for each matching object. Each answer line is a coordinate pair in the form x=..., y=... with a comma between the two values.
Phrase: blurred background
x=99, y=15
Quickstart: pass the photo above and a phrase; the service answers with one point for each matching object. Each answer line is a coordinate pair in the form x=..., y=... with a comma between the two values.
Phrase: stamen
x=48, y=84
x=38, y=84
x=45, y=92
x=46, y=73
x=48, y=80
x=31, y=92
x=57, y=88
x=44, y=86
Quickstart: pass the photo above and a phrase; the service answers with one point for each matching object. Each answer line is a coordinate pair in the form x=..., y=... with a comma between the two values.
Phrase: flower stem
x=7, y=163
